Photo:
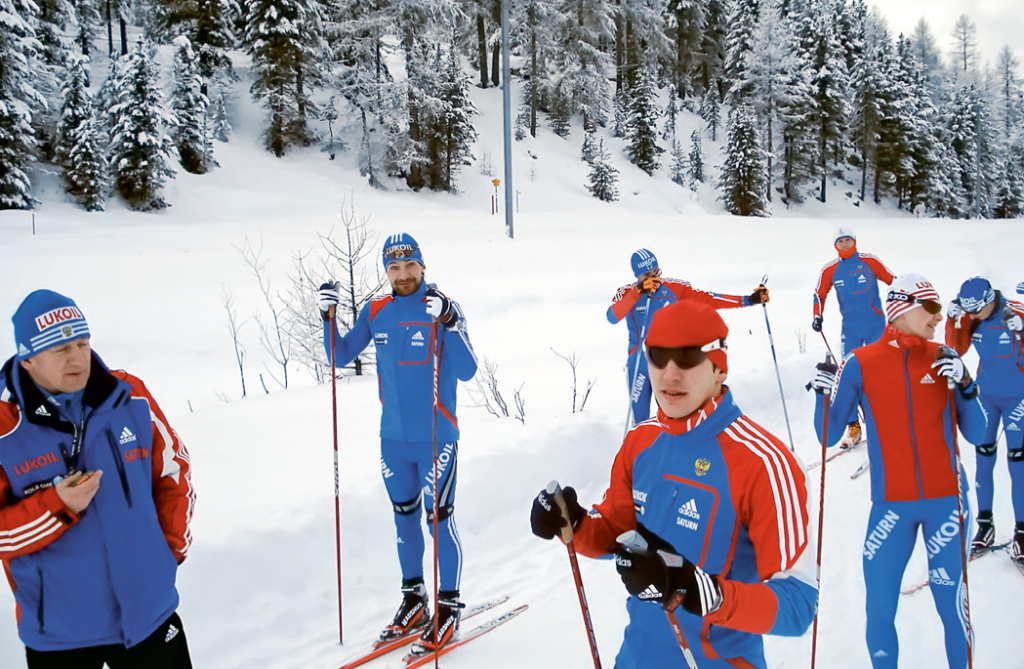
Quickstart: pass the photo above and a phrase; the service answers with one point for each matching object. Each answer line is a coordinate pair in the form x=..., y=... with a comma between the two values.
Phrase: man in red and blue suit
x=637, y=302
x=901, y=384
x=722, y=500
x=95, y=501
x=855, y=277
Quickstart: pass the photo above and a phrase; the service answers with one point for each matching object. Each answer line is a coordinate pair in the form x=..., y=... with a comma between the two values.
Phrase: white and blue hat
x=401, y=247
x=975, y=294
x=643, y=261
x=46, y=319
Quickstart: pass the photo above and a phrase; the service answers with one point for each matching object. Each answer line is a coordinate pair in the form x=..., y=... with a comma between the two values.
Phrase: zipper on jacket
x=115, y=449
x=39, y=614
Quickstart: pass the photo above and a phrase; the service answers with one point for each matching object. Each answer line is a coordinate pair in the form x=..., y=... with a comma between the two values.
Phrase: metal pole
x=337, y=496
x=506, y=97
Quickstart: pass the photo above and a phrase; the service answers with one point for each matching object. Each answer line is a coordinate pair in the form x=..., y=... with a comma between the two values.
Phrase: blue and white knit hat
x=975, y=294
x=643, y=261
x=401, y=247
x=46, y=319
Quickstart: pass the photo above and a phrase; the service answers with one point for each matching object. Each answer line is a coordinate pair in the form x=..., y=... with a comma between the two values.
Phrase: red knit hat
x=688, y=324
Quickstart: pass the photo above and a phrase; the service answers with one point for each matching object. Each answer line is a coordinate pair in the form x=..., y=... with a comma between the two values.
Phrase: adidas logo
x=1013, y=428
x=41, y=411
x=22, y=351
x=927, y=378
x=650, y=592
x=126, y=436
x=172, y=632
x=1005, y=337
x=690, y=510
x=881, y=653
x=940, y=576
x=893, y=343
x=417, y=339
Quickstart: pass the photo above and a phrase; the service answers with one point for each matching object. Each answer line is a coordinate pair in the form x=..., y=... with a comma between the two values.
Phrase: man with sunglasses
x=638, y=301
x=855, y=277
x=901, y=382
x=983, y=317
x=407, y=327
x=720, y=502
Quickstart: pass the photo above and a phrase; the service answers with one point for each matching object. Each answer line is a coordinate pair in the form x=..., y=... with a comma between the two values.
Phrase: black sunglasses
x=685, y=357
x=931, y=306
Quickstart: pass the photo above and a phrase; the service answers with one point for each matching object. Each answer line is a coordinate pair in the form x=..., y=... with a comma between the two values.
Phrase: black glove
x=652, y=571
x=824, y=380
x=546, y=519
x=440, y=307
x=759, y=296
x=816, y=323
x=329, y=295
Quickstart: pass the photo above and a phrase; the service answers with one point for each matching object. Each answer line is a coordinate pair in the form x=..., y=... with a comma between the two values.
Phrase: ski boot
x=853, y=436
x=412, y=616
x=986, y=535
x=449, y=612
x=1017, y=547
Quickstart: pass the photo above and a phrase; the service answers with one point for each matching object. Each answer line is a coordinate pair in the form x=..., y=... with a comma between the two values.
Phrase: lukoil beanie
x=688, y=323
x=46, y=319
x=906, y=293
x=401, y=247
x=975, y=294
x=642, y=262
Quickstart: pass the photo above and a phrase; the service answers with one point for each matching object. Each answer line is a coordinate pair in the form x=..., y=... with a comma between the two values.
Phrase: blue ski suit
x=856, y=282
x=1000, y=379
x=910, y=439
x=405, y=340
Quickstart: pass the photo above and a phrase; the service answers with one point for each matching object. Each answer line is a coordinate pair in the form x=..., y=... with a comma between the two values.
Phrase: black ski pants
x=163, y=649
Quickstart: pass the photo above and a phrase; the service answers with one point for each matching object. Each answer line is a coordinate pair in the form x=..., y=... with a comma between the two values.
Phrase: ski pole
x=555, y=491
x=778, y=376
x=636, y=368
x=435, y=363
x=337, y=498
x=634, y=542
x=821, y=512
x=827, y=347
x=960, y=510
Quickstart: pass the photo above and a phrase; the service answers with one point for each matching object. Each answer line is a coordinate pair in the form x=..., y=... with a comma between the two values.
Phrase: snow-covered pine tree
x=620, y=111
x=87, y=17
x=695, y=164
x=80, y=143
x=604, y=178
x=140, y=151
x=588, y=151
x=873, y=128
x=560, y=111
x=584, y=27
x=531, y=23
x=968, y=124
x=677, y=168
x=742, y=181
x=914, y=114
x=18, y=97
x=284, y=39
x=739, y=41
x=1009, y=191
x=454, y=122
x=668, y=130
x=642, y=125
x=221, y=124
x=1007, y=104
x=208, y=26
x=711, y=111
x=688, y=20
x=191, y=135
x=929, y=57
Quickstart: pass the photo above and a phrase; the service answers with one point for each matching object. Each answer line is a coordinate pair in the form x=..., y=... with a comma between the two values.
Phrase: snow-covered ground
x=259, y=587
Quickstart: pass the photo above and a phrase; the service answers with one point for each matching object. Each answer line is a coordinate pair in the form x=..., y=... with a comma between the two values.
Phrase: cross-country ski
x=380, y=649
x=414, y=659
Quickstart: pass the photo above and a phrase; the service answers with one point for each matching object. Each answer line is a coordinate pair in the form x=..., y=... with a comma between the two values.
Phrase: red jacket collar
x=687, y=423
x=900, y=339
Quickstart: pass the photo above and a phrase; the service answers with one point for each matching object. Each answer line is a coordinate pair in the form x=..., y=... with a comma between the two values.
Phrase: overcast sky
x=998, y=22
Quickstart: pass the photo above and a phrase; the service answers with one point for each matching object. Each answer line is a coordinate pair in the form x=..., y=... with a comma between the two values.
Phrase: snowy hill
x=259, y=587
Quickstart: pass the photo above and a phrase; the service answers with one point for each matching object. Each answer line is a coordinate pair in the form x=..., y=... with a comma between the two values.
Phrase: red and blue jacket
x=1000, y=350
x=731, y=498
x=404, y=339
x=908, y=417
x=107, y=575
x=856, y=282
x=629, y=302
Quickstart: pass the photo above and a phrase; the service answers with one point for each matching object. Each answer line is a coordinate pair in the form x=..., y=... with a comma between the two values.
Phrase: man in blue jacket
x=417, y=332
x=95, y=501
x=982, y=317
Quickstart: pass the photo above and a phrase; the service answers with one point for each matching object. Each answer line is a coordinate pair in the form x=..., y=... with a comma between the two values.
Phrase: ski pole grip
x=555, y=491
x=331, y=310
x=633, y=541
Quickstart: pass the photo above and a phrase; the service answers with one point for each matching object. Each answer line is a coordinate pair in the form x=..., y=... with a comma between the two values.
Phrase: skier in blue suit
x=407, y=327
